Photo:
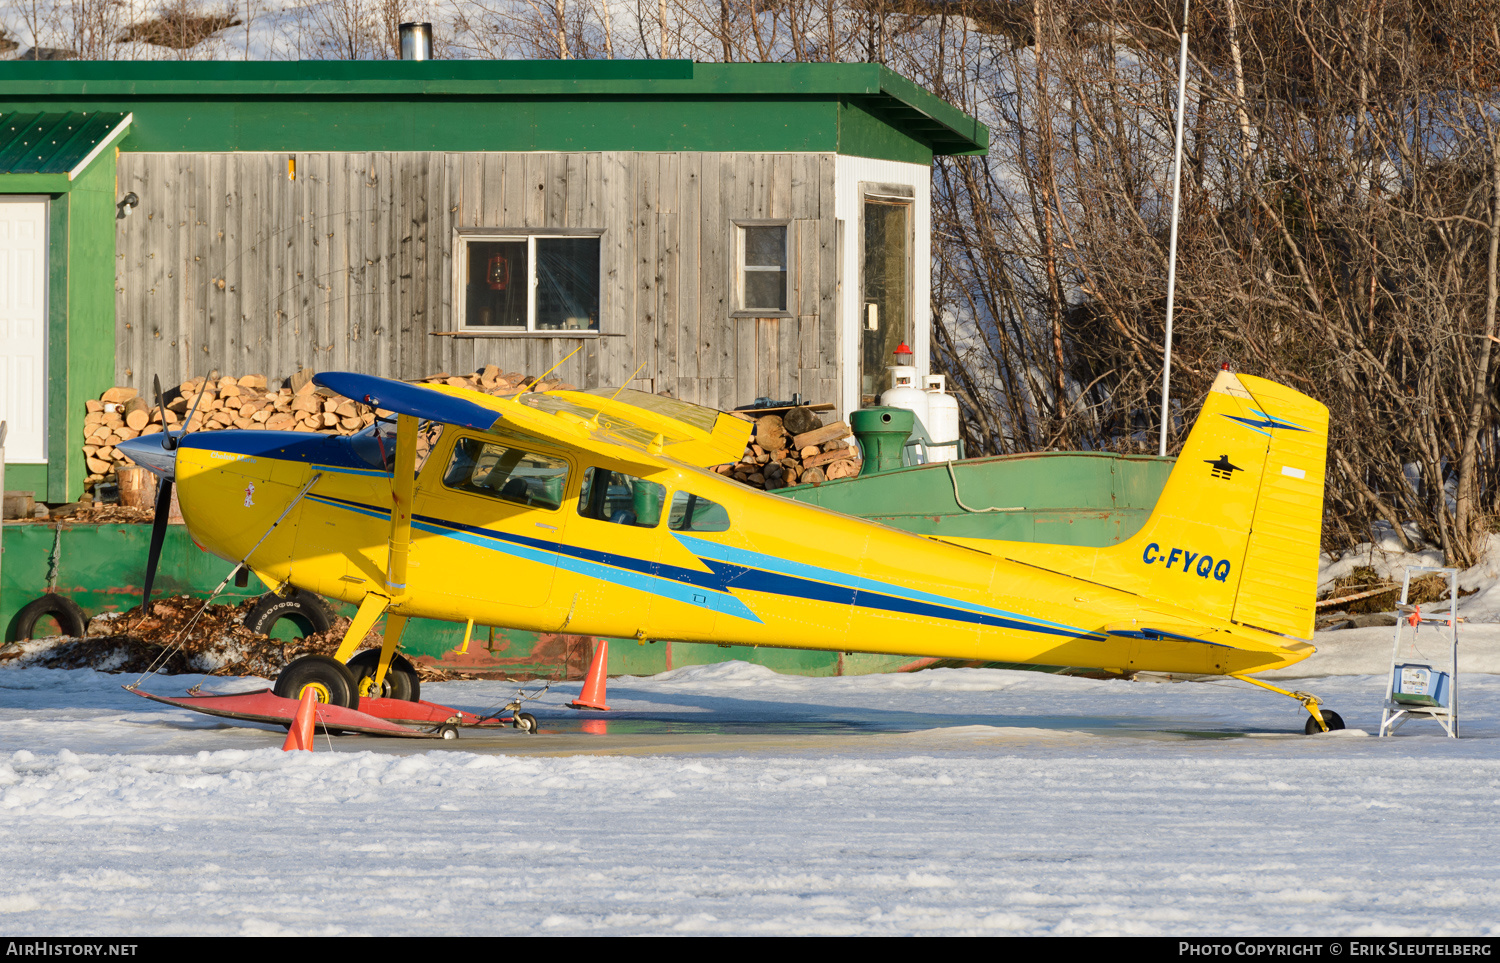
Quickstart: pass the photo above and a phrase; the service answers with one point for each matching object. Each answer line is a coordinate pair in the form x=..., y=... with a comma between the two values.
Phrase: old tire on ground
x=69, y=617
x=301, y=610
x=1334, y=720
x=330, y=680
x=401, y=681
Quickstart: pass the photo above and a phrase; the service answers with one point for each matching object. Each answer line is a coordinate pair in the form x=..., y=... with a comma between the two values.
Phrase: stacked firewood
x=794, y=449
x=206, y=404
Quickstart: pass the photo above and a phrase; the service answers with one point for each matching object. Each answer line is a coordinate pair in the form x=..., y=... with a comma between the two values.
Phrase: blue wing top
x=405, y=399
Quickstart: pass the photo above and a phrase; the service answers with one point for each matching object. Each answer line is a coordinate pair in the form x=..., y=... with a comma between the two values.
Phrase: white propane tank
x=943, y=426
x=907, y=392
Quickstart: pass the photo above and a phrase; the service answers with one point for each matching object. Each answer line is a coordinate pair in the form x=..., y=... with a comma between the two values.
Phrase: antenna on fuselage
x=554, y=368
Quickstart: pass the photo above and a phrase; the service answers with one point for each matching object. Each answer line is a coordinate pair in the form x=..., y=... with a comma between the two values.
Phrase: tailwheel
x=525, y=721
x=401, y=679
x=1310, y=702
x=330, y=680
x=1332, y=719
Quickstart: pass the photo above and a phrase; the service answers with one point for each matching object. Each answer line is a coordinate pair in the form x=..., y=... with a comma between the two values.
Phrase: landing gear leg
x=1321, y=721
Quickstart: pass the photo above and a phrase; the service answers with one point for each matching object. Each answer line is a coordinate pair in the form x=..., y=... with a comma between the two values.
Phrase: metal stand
x=1417, y=688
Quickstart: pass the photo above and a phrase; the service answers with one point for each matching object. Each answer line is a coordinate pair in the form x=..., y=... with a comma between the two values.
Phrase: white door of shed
x=23, y=327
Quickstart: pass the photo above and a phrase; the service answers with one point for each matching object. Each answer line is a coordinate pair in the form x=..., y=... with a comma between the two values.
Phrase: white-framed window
x=761, y=272
x=515, y=281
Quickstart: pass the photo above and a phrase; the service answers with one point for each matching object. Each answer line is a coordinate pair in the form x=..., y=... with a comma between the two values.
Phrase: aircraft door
x=487, y=524
x=613, y=545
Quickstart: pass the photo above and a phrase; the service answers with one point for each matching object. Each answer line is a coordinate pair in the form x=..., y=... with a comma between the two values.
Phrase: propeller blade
x=168, y=442
x=158, y=536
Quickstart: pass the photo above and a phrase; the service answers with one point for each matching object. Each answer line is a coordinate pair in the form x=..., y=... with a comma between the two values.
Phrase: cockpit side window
x=613, y=496
x=510, y=474
x=694, y=513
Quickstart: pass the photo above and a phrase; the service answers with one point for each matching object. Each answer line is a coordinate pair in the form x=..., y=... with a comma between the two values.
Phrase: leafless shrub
x=180, y=26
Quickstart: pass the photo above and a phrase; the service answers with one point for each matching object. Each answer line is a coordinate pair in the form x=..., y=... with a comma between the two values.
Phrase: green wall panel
x=58, y=417
x=27, y=478
x=91, y=313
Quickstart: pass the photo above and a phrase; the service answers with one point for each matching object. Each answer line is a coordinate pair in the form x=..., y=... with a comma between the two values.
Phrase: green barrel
x=882, y=434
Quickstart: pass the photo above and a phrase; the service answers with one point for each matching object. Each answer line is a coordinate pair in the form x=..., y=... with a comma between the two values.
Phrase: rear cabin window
x=613, y=496
x=694, y=513
x=509, y=474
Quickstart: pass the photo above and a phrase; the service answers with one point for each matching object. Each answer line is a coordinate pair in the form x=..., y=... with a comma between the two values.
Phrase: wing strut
x=403, y=484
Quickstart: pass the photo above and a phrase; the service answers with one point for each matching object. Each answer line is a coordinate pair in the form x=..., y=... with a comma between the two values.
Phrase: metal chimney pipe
x=416, y=41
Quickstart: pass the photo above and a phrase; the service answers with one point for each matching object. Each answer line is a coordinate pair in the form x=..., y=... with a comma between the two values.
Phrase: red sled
x=376, y=717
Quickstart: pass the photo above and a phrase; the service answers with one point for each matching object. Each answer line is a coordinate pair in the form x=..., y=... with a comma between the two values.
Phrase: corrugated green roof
x=52, y=143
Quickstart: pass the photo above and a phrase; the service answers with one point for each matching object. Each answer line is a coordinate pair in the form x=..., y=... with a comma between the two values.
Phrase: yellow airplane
x=594, y=512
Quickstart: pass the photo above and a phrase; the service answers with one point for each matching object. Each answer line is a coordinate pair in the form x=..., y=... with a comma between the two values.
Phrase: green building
x=721, y=232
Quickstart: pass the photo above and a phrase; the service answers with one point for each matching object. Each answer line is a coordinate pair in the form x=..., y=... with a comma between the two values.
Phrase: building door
x=23, y=327
x=886, y=309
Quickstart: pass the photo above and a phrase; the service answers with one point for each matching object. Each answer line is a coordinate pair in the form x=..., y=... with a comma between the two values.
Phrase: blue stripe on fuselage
x=727, y=570
x=699, y=589
x=832, y=585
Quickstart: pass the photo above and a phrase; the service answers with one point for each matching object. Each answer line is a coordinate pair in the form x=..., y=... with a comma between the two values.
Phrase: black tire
x=304, y=610
x=401, y=681
x=526, y=722
x=1333, y=719
x=69, y=617
x=330, y=679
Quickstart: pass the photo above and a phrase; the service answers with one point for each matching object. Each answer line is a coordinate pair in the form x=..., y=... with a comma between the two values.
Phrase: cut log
x=769, y=432
x=137, y=486
x=137, y=417
x=799, y=421
x=843, y=468
x=819, y=436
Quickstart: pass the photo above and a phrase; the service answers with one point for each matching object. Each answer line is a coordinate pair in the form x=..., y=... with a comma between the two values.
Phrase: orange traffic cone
x=300, y=735
x=592, y=696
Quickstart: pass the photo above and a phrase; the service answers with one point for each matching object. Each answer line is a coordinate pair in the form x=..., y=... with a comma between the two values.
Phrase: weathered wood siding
x=228, y=263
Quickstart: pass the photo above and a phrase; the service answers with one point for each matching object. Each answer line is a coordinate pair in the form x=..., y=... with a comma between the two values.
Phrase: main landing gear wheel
x=1333, y=720
x=329, y=679
x=401, y=679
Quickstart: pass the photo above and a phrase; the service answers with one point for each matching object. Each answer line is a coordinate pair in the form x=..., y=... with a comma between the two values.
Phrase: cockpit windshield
x=376, y=445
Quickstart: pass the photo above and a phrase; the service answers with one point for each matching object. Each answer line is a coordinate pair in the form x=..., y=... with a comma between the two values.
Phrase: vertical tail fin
x=1236, y=531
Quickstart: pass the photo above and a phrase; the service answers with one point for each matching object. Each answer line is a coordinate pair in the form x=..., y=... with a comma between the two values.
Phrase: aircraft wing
x=623, y=425
x=408, y=399
x=685, y=432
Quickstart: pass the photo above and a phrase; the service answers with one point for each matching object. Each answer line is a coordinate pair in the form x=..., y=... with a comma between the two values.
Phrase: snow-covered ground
x=728, y=799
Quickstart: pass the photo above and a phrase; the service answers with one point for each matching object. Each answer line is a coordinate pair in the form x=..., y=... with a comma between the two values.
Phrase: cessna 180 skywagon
x=595, y=513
